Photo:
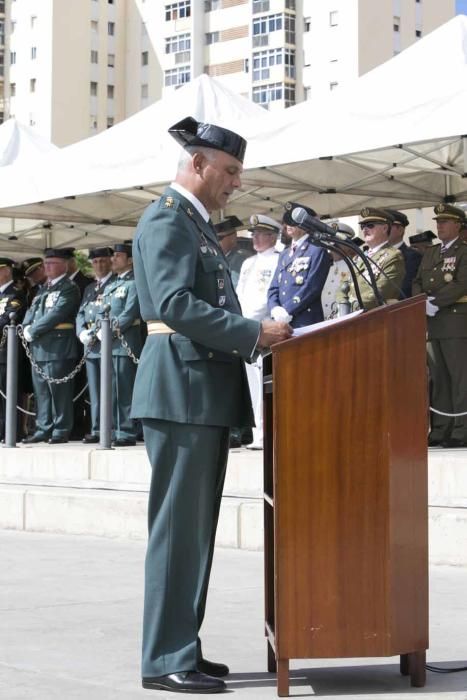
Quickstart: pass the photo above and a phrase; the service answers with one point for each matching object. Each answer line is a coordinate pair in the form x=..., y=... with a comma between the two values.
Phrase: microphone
x=313, y=224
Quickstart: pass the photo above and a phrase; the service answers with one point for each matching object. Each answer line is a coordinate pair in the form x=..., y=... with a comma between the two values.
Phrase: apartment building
x=76, y=67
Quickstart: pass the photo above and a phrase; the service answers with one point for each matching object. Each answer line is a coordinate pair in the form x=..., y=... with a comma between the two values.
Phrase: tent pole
x=464, y=145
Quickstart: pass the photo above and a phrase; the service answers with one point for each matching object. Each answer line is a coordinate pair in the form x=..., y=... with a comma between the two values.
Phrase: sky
x=461, y=7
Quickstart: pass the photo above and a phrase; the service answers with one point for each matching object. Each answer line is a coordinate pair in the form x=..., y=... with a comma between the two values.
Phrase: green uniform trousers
x=188, y=470
x=123, y=379
x=93, y=373
x=54, y=402
x=448, y=372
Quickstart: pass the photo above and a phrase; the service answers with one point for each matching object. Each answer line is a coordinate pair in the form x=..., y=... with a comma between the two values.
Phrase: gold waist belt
x=63, y=326
x=462, y=300
x=158, y=327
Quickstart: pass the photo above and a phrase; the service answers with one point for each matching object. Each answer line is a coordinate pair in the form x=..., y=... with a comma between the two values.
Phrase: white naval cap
x=340, y=227
x=263, y=223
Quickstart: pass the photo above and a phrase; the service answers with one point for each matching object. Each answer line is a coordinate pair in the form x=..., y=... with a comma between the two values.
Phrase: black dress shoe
x=247, y=436
x=453, y=442
x=122, y=442
x=34, y=438
x=213, y=669
x=185, y=682
x=432, y=442
x=57, y=440
x=90, y=439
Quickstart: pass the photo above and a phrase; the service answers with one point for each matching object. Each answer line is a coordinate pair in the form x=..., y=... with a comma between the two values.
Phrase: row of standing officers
x=301, y=285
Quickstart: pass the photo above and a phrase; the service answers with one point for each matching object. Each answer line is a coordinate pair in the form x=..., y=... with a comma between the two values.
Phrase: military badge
x=220, y=283
x=254, y=220
x=365, y=212
x=51, y=299
x=448, y=277
x=449, y=265
x=189, y=212
x=296, y=300
x=3, y=303
x=222, y=300
x=299, y=279
x=169, y=202
x=120, y=292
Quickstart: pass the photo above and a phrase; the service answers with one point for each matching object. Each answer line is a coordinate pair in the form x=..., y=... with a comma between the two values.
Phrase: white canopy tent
x=105, y=182
x=395, y=137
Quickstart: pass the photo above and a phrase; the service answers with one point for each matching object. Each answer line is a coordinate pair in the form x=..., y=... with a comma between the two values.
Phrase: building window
x=180, y=42
x=144, y=91
x=333, y=85
x=110, y=91
x=418, y=33
x=93, y=89
x=111, y=28
x=307, y=93
x=178, y=10
x=12, y=89
x=33, y=21
x=94, y=57
x=94, y=26
x=110, y=122
x=110, y=2
x=333, y=18
x=32, y=85
x=93, y=121
x=290, y=4
x=211, y=5
x=111, y=60
x=263, y=94
x=213, y=37
x=12, y=58
x=263, y=60
x=12, y=27
x=177, y=76
x=395, y=27
x=260, y=6
x=145, y=58
x=307, y=24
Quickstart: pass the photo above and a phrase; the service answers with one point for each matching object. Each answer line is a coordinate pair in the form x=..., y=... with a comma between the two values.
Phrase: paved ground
x=70, y=627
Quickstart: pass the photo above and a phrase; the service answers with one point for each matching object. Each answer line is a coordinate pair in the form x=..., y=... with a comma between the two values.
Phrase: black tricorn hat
x=103, y=252
x=289, y=207
x=64, y=253
x=125, y=247
x=397, y=217
x=229, y=225
x=189, y=132
x=424, y=237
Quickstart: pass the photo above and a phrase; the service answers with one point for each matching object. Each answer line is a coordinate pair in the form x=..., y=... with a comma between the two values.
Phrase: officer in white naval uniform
x=256, y=274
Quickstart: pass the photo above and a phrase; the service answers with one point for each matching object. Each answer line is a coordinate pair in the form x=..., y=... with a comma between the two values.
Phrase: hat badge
x=335, y=225
x=365, y=212
x=254, y=220
x=440, y=208
x=288, y=206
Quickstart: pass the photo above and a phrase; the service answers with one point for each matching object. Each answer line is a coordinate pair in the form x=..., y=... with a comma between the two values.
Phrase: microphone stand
x=348, y=261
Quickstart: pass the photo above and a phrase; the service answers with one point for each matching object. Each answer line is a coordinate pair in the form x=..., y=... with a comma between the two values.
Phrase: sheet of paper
x=323, y=324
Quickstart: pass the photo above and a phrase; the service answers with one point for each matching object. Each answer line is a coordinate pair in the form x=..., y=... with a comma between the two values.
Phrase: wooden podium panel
x=346, y=515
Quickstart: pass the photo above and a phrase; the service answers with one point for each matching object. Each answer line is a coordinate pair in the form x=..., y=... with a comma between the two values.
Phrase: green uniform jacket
x=195, y=375
x=90, y=310
x=390, y=260
x=444, y=277
x=50, y=308
x=122, y=298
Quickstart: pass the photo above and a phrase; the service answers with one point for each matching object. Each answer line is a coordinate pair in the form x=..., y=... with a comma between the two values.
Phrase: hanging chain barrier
x=448, y=415
x=40, y=371
x=121, y=337
x=4, y=336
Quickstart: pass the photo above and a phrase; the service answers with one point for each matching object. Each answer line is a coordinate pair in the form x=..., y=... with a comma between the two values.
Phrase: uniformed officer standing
x=295, y=291
x=89, y=311
x=443, y=277
x=190, y=388
x=412, y=257
x=49, y=328
x=252, y=289
x=339, y=272
x=227, y=234
x=422, y=241
x=74, y=273
x=387, y=263
x=121, y=295
x=12, y=300
x=34, y=273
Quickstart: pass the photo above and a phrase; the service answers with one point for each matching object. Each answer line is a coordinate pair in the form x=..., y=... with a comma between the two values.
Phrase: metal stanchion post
x=105, y=420
x=11, y=384
x=344, y=307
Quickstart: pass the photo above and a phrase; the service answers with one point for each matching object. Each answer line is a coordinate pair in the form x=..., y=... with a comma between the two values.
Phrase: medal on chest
x=51, y=299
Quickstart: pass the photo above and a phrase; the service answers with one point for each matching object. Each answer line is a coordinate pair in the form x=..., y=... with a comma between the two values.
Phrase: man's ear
x=198, y=162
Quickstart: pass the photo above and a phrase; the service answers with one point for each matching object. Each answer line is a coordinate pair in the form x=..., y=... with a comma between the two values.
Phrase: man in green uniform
x=49, y=328
x=122, y=298
x=89, y=311
x=443, y=277
x=190, y=388
x=387, y=262
x=12, y=300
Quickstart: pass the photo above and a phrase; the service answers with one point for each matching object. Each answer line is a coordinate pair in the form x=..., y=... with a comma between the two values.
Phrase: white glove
x=278, y=313
x=431, y=309
x=99, y=335
x=27, y=333
x=85, y=337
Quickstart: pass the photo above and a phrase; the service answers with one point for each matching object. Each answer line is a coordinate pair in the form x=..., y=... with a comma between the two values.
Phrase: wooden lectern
x=345, y=492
